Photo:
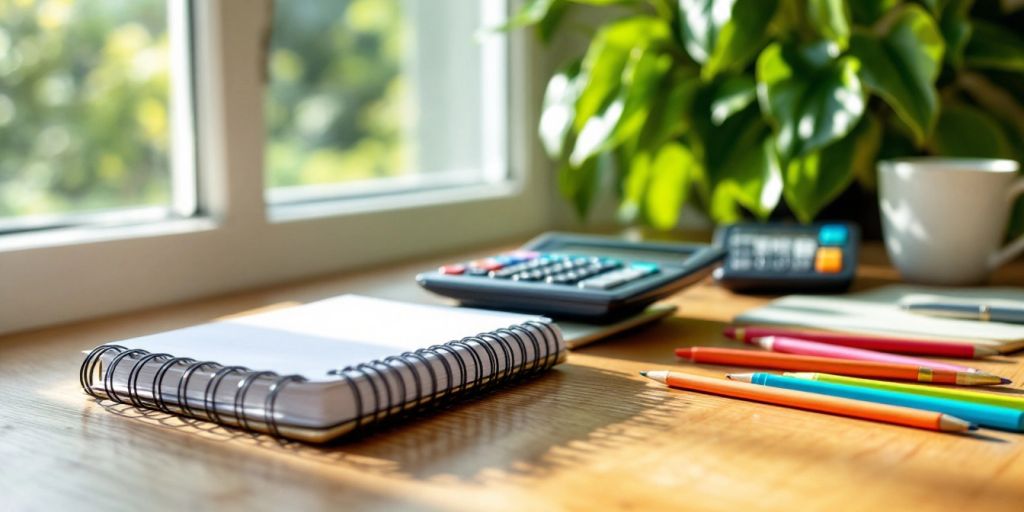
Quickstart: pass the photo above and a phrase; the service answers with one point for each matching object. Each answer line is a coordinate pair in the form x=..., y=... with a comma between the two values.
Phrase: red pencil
x=879, y=343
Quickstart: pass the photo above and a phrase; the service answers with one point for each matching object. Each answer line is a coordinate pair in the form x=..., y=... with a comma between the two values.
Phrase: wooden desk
x=590, y=435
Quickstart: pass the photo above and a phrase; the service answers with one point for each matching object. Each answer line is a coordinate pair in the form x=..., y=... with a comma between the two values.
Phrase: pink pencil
x=940, y=348
x=812, y=348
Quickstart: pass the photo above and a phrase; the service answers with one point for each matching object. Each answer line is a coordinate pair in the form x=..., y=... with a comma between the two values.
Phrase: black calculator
x=575, y=276
x=781, y=258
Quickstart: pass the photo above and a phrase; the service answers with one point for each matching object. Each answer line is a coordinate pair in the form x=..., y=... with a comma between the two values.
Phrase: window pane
x=84, y=107
x=376, y=95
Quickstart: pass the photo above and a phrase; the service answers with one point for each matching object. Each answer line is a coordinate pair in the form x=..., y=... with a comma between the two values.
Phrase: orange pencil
x=929, y=420
x=869, y=369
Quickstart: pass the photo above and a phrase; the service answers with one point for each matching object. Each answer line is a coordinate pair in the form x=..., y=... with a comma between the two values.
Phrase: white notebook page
x=314, y=338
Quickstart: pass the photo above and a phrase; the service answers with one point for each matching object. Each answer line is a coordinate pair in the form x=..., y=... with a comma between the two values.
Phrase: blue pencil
x=992, y=416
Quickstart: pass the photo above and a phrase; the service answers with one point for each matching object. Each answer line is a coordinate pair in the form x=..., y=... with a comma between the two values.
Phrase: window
x=88, y=112
x=377, y=96
x=242, y=206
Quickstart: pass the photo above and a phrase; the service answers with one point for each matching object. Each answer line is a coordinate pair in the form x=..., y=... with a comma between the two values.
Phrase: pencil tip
x=984, y=351
x=741, y=377
x=1004, y=380
x=643, y=372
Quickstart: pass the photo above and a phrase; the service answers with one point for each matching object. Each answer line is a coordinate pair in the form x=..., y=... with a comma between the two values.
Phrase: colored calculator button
x=526, y=255
x=616, y=278
x=832, y=234
x=487, y=264
x=453, y=270
x=829, y=260
x=507, y=259
x=646, y=268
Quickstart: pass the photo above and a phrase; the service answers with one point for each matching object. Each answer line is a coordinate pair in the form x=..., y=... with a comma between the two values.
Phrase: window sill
x=283, y=213
x=95, y=234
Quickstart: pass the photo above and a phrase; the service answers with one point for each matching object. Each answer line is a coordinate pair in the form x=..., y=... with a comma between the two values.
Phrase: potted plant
x=741, y=106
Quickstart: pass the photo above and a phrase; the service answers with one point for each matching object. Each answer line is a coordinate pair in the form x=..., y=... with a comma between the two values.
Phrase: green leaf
x=832, y=20
x=606, y=59
x=867, y=12
x=533, y=12
x=735, y=94
x=700, y=22
x=753, y=180
x=866, y=154
x=902, y=66
x=956, y=29
x=667, y=119
x=623, y=118
x=813, y=181
x=935, y=6
x=740, y=39
x=559, y=109
x=811, y=100
x=966, y=131
x=670, y=173
x=671, y=116
x=579, y=185
x=738, y=170
x=548, y=25
x=993, y=47
x=724, y=34
x=634, y=186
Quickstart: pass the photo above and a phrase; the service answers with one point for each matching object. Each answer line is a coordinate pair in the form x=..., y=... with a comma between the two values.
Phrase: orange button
x=828, y=260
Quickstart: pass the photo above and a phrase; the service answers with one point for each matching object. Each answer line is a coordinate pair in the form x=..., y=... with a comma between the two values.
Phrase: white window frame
x=57, y=276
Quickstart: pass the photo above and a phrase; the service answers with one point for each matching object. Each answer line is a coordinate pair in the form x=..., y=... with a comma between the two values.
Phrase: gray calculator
x=575, y=276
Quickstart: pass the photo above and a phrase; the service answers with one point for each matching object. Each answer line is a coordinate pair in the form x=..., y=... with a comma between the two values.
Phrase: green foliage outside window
x=84, y=88
x=739, y=105
x=337, y=101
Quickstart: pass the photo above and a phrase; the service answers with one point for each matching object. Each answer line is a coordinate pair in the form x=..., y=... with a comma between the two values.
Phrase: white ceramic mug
x=944, y=219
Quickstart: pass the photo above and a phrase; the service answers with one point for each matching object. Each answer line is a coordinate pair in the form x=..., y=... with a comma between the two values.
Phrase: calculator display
x=781, y=258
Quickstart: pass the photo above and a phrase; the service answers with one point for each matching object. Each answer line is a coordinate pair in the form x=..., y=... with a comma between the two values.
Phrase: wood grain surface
x=590, y=435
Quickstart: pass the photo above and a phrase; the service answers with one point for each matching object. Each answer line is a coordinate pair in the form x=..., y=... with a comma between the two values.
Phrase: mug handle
x=1014, y=248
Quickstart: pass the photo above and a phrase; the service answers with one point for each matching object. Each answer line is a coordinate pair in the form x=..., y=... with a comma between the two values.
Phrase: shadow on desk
x=528, y=429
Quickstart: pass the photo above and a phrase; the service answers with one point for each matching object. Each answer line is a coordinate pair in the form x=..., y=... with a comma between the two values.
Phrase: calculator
x=781, y=258
x=568, y=275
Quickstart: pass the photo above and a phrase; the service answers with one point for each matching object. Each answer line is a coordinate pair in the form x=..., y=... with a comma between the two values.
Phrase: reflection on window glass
x=83, y=105
x=371, y=91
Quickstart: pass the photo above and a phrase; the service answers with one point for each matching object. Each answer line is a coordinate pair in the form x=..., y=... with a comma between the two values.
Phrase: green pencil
x=1013, y=402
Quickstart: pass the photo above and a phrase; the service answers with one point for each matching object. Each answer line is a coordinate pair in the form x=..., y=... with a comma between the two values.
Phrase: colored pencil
x=942, y=348
x=813, y=348
x=870, y=369
x=813, y=402
x=1002, y=418
x=1013, y=402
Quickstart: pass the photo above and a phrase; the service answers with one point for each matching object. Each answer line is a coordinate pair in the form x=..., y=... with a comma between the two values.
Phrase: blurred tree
x=83, y=105
x=84, y=94
x=337, y=97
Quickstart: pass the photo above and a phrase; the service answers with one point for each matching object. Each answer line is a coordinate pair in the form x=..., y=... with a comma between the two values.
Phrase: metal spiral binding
x=161, y=400
x=385, y=380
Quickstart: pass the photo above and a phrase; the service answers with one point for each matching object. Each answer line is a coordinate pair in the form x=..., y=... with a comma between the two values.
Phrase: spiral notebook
x=324, y=369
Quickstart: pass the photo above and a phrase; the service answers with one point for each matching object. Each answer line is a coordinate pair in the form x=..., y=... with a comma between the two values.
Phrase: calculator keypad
x=587, y=272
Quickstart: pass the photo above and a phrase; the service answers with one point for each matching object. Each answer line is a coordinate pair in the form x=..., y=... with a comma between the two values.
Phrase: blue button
x=832, y=234
x=645, y=267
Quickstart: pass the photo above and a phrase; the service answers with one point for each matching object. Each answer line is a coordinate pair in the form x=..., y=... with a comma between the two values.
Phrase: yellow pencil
x=1014, y=402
